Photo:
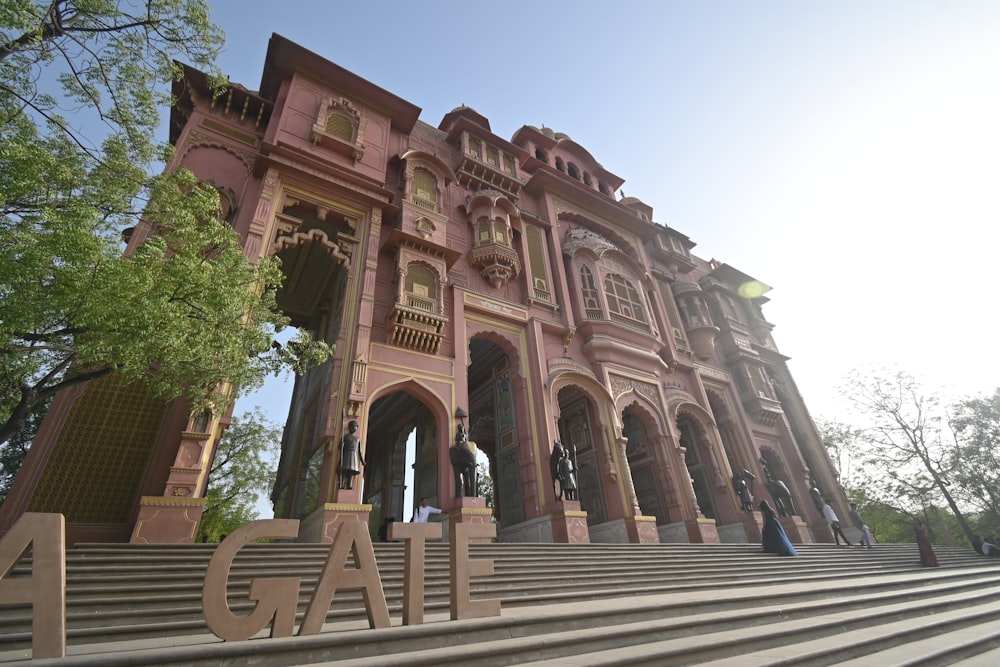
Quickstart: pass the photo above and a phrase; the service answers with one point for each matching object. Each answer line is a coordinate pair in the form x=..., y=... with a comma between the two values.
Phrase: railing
x=420, y=303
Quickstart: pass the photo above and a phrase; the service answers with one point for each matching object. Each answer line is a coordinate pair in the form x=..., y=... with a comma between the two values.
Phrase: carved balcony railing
x=415, y=325
x=497, y=263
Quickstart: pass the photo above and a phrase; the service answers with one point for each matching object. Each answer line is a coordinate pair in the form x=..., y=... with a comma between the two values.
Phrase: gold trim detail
x=163, y=501
x=346, y=507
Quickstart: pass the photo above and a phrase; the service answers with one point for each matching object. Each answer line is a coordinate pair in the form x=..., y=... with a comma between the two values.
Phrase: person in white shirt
x=831, y=518
x=422, y=513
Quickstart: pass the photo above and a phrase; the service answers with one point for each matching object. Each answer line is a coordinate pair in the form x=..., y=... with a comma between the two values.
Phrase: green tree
x=186, y=312
x=485, y=482
x=907, y=456
x=975, y=461
x=13, y=451
x=243, y=470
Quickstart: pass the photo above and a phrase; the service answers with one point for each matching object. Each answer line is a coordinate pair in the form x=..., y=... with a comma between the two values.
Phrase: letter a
x=45, y=589
x=353, y=536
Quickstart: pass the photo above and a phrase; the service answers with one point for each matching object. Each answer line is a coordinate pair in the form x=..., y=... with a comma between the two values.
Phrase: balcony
x=415, y=326
x=497, y=263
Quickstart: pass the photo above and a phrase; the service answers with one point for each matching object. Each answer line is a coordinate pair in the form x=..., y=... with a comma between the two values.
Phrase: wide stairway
x=601, y=604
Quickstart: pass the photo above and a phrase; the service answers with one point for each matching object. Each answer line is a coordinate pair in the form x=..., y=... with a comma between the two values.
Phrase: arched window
x=483, y=231
x=421, y=287
x=340, y=126
x=424, y=189
x=499, y=231
x=623, y=299
x=572, y=171
x=589, y=290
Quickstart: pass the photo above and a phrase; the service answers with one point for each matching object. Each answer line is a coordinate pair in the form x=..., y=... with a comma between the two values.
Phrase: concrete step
x=681, y=628
x=152, y=606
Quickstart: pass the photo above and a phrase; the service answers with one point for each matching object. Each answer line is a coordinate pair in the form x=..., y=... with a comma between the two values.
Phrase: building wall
x=459, y=270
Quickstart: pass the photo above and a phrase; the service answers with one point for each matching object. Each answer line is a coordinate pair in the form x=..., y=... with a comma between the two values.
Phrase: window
x=340, y=126
x=476, y=148
x=484, y=230
x=492, y=156
x=499, y=231
x=421, y=287
x=424, y=189
x=589, y=289
x=508, y=164
x=623, y=298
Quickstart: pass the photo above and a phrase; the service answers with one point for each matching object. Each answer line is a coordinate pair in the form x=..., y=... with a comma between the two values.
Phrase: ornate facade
x=465, y=279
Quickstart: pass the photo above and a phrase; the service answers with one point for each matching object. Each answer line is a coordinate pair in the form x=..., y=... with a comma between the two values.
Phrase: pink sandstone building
x=467, y=280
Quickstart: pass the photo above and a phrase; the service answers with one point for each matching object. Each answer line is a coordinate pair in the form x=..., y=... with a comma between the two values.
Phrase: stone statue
x=567, y=478
x=741, y=482
x=782, y=496
x=558, y=454
x=350, y=455
x=463, y=463
x=817, y=495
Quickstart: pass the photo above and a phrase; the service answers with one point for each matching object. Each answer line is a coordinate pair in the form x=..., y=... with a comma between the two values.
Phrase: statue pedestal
x=796, y=529
x=702, y=531
x=468, y=509
x=569, y=523
x=642, y=530
x=165, y=520
x=323, y=524
x=752, y=525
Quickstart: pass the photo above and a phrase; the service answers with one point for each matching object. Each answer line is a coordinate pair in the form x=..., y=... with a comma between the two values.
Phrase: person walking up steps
x=831, y=518
x=859, y=523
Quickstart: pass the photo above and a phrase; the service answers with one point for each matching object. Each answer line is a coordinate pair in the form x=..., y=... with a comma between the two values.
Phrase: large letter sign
x=276, y=597
x=45, y=589
x=415, y=536
x=353, y=536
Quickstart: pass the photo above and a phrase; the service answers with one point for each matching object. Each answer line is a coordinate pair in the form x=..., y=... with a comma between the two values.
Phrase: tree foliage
x=975, y=460
x=243, y=471
x=904, y=444
x=186, y=311
x=13, y=451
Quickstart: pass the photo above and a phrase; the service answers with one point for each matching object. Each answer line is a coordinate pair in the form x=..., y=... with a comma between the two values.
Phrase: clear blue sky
x=845, y=153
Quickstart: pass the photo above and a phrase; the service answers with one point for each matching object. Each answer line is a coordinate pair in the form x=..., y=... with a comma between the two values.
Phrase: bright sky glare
x=847, y=154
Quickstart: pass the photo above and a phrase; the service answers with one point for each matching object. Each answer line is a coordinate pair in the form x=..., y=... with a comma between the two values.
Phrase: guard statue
x=350, y=455
x=741, y=482
x=463, y=463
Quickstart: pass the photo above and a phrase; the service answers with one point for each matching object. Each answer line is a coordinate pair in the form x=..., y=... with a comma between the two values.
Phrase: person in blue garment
x=773, y=537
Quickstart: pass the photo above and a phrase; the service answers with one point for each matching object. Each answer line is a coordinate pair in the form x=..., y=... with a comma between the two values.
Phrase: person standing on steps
x=423, y=511
x=859, y=523
x=927, y=556
x=831, y=518
x=774, y=540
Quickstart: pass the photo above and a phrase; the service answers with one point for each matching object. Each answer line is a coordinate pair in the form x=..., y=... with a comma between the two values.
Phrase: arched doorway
x=576, y=432
x=312, y=296
x=698, y=459
x=402, y=457
x=637, y=425
x=493, y=426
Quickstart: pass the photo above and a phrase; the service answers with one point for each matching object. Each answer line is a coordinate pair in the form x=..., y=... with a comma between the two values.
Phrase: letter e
x=463, y=568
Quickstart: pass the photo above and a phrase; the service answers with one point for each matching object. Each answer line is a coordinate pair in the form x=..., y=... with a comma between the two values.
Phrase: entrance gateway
x=466, y=280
